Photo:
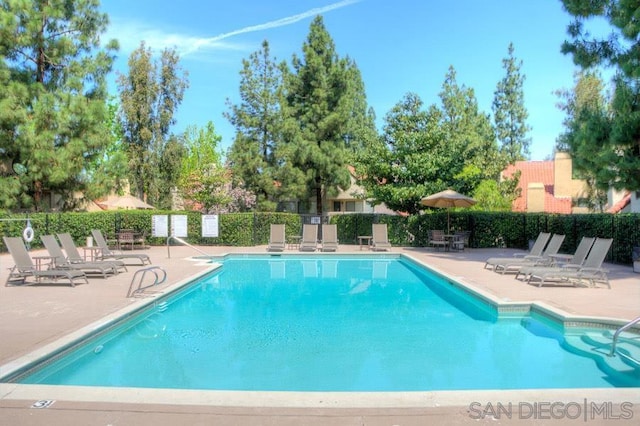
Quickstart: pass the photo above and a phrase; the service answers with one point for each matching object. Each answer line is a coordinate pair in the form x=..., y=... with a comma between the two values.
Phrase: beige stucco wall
x=564, y=185
x=535, y=197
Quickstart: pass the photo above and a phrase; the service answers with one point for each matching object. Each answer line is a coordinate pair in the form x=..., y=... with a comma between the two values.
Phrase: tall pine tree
x=53, y=112
x=253, y=156
x=324, y=110
x=510, y=114
x=617, y=162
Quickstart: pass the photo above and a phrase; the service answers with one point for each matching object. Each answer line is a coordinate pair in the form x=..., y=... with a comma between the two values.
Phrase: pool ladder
x=159, y=276
x=614, y=341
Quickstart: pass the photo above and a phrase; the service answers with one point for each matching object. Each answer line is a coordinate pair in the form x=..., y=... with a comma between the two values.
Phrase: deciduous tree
x=149, y=96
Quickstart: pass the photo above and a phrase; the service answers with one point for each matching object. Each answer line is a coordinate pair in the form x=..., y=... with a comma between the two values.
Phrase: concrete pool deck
x=33, y=317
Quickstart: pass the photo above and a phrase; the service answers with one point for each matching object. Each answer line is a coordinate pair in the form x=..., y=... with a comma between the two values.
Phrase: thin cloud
x=130, y=34
x=212, y=41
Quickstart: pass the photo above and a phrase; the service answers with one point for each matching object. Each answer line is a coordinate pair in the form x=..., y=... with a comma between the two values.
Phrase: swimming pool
x=331, y=323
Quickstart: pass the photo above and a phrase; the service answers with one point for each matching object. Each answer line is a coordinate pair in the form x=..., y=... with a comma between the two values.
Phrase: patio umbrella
x=126, y=202
x=447, y=199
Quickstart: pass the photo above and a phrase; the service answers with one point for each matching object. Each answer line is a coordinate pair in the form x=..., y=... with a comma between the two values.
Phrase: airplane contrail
x=271, y=24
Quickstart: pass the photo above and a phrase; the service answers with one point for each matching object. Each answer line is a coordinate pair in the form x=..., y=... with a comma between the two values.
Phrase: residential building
x=548, y=186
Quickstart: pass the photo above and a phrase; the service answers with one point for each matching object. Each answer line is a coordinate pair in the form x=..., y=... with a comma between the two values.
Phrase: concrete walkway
x=32, y=317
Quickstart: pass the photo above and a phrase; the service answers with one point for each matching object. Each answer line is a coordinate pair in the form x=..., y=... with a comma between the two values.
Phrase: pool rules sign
x=210, y=225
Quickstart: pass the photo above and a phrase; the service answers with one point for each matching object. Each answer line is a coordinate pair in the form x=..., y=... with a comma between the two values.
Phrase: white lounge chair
x=380, y=240
x=73, y=255
x=276, y=237
x=329, y=237
x=514, y=265
x=106, y=253
x=309, y=240
x=61, y=261
x=590, y=272
x=24, y=267
x=574, y=261
x=536, y=250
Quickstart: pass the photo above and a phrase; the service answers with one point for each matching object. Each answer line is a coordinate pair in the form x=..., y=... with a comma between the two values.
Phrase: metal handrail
x=157, y=280
x=181, y=241
x=620, y=330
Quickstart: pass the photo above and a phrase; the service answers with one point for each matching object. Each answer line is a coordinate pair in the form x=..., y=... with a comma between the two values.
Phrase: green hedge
x=508, y=229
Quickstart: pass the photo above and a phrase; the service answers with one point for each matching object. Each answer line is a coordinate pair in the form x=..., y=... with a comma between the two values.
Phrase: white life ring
x=28, y=234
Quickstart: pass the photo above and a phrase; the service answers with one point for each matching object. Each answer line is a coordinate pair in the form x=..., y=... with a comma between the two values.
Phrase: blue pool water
x=326, y=323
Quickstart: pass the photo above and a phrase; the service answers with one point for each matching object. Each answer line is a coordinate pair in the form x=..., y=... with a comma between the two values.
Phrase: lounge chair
x=106, y=253
x=380, y=240
x=437, y=239
x=514, y=265
x=572, y=261
x=536, y=250
x=329, y=237
x=73, y=255
x=590, y=272
x=25, y=268
x=276, y=237
x=309, y=240
x=60, y=261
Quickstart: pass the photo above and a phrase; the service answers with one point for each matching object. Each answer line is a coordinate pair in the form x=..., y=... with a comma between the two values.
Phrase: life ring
x=28, y=234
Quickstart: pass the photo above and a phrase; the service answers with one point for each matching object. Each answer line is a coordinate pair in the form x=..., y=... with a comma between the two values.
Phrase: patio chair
x=329, y=237
x=570, y=261
x=437, y=239
x=73, y=255
x=104, y=269
x=106, y=253
x=309, y=240
x=591, y=271
x=514, y=265
x=380, y=240
x=276, y=237
x=460, y=240
x=536, y=250
x=24, y=267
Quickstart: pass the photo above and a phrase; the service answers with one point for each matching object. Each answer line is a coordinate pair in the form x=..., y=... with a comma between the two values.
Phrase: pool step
x=596, y=345
x=627, y=348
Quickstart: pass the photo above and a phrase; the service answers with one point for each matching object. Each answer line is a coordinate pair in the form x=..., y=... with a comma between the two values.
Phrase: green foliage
x=107, y=173
x=254, y=156
x=202, y=177
x=149, y=97
x=324, y=110
x=493, y=196
x=613, y=149
x=510, y=114
x=426, y=151
x=488, y=229
x=52, y=99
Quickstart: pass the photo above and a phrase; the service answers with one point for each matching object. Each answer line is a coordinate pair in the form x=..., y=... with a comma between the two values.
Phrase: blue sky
x=399, y=46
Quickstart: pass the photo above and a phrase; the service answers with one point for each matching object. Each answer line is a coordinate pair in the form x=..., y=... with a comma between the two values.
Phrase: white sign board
x=315, y=220
x=210, y=225
x=160, y=225
x=179, y=226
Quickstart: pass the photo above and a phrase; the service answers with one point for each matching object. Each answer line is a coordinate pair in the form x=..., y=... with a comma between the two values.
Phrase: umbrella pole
x=448, y=223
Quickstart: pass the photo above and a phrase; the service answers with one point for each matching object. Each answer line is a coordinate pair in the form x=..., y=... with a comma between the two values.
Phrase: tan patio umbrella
x=447, y=199
x=126, y=202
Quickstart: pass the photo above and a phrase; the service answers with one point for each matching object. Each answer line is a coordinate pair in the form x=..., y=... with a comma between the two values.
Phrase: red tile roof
x=624, y=202
x=537, y=172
